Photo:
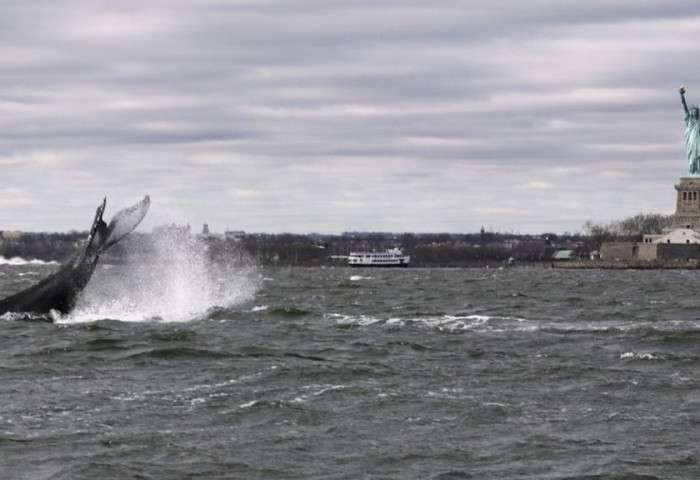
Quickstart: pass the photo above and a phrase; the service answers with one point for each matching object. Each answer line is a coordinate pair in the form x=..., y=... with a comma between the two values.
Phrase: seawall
x=628, y=265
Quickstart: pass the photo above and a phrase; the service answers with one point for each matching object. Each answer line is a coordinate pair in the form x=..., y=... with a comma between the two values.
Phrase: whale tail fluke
x=125, y=221
x=103, y=236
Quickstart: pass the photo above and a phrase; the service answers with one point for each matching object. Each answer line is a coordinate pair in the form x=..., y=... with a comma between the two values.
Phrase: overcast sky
x=330, y=116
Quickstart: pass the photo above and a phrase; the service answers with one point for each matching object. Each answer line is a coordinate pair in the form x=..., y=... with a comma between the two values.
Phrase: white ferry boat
x=390, y=258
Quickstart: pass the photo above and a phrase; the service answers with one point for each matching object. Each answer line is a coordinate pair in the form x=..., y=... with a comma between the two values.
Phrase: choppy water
x=343, y=374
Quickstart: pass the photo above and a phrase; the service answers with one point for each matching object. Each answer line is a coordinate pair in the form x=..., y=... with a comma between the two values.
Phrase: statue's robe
x=692, y=143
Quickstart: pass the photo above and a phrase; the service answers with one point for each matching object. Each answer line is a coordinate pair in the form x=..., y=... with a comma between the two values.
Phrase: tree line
x=631, y=229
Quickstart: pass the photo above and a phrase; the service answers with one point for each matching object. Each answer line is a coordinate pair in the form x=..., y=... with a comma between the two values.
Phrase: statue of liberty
x=692, y=135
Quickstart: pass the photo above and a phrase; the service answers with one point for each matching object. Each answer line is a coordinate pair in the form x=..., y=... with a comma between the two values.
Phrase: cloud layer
x=272, y=115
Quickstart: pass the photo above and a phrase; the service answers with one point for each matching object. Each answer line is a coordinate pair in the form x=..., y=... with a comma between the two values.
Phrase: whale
x=60, y=291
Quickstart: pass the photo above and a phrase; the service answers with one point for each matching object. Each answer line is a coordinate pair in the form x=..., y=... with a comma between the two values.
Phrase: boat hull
x=394, y=265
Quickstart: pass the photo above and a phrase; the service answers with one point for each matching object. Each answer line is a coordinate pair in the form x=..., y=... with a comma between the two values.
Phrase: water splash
x=167, y=277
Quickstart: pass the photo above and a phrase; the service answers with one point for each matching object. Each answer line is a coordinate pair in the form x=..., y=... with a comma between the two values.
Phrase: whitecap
x=21, y=261
x=357, y=278
x=361, y=320
x=642, y=356
x=323, y=389
x=453, y=323
x=447, y=322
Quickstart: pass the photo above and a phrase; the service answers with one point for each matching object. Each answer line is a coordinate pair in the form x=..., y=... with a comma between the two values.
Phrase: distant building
x=234, y=234
x=680, y=235
x=11, y=235
x=687, y=204
x=563, y=255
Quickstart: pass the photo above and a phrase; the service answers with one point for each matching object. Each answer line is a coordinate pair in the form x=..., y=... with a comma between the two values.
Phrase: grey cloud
x=332, y=116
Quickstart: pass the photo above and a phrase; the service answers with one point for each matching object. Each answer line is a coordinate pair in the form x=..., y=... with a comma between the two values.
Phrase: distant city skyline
x=326, y=116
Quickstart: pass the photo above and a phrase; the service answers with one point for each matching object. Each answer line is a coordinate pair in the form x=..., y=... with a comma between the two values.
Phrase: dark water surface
x=343, y=374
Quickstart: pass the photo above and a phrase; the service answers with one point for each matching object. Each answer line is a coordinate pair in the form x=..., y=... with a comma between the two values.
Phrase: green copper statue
x=692, y=135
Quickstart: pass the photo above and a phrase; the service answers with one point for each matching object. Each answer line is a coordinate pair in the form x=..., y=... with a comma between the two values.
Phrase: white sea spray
x=179, y=282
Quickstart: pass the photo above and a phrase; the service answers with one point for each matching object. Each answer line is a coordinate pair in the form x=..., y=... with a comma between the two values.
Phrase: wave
x=677, y=333
x=27, y=317
x=14, y=261
x=644, y=356
x=447, y=323
x=357, y=278
x=179, y=353
x=290, y=312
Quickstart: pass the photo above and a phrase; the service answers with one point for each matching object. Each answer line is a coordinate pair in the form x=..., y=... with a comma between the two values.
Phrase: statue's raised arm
x=682, y=92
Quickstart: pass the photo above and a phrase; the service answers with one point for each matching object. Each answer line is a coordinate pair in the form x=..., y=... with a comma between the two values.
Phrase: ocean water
x=334, y=373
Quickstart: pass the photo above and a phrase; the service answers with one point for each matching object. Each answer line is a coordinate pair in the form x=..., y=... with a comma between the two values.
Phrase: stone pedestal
x=687, y=203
